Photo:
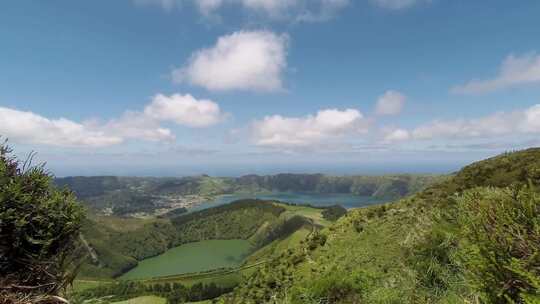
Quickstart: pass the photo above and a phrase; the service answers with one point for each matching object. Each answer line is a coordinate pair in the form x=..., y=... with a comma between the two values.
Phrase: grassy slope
x=371, y=248
x=122, y=224
x=209, y=186
x=120, y=242
x=375, y=251
x=294, y=239
x=278, y=246
x=312, y=213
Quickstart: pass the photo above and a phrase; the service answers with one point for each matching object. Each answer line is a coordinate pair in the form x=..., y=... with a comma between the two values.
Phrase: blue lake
x=316, y=199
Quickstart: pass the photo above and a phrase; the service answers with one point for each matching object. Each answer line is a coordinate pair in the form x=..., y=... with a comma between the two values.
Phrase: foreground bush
x=39, y=227
x=338, y=287
x=500, y=246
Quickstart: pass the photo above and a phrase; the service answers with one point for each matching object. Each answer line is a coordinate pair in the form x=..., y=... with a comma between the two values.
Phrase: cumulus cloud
x=390, y=103
x=498, y=124
x=240, y=61
x=184, y=110
x=293, y=132
x=28, y=127
x=135, y=125
x=397, y=4
x=531, y=121
x=514, y=71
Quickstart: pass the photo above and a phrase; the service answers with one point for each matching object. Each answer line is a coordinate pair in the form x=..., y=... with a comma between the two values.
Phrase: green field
x=193, y=257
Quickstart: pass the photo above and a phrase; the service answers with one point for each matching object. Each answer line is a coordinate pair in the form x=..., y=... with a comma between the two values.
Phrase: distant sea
x=315, y=199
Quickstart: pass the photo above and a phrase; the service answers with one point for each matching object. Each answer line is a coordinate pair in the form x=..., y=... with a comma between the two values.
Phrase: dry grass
x=20, y=297
x=13, y=293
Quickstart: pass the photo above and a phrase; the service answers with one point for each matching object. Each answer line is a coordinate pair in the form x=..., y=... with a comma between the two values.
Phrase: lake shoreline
x=313, y=199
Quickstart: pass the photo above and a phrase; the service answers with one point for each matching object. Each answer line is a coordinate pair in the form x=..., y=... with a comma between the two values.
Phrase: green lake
x=193, y=257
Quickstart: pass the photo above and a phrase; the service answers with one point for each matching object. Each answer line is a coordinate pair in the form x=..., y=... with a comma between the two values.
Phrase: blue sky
x=229, y=87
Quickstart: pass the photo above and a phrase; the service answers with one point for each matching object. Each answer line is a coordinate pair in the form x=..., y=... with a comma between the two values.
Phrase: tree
x=39, y=229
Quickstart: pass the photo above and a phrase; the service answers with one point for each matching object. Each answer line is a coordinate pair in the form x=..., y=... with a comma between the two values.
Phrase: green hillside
x=119, y=243
x=474, y=238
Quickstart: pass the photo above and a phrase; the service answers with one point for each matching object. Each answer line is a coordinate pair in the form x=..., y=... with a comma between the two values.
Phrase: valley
x=261, y=250
x=212, y=248
x=168, y=228
x=147, y=197
x=241, y=227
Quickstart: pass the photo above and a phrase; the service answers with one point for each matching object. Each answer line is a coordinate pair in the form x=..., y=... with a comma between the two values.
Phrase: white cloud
x=498, y=124
x=184, y=110
x=396, y=135
x=271, y=7
x=290, y=132
x=27, y=127
x=514, y=71
x=531, y=122
x=327, y=10
x=390, y=103
x=240, y=61
x=397, y=4
x=295, y=10
x=288, y=10
x=135, y=125
x=207, y=7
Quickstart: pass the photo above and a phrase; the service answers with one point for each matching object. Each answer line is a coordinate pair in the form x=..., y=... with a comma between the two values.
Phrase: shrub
x=336, y=287
x=500, y=247
x=333, y=213
x=39, y=228
x=431, y=258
